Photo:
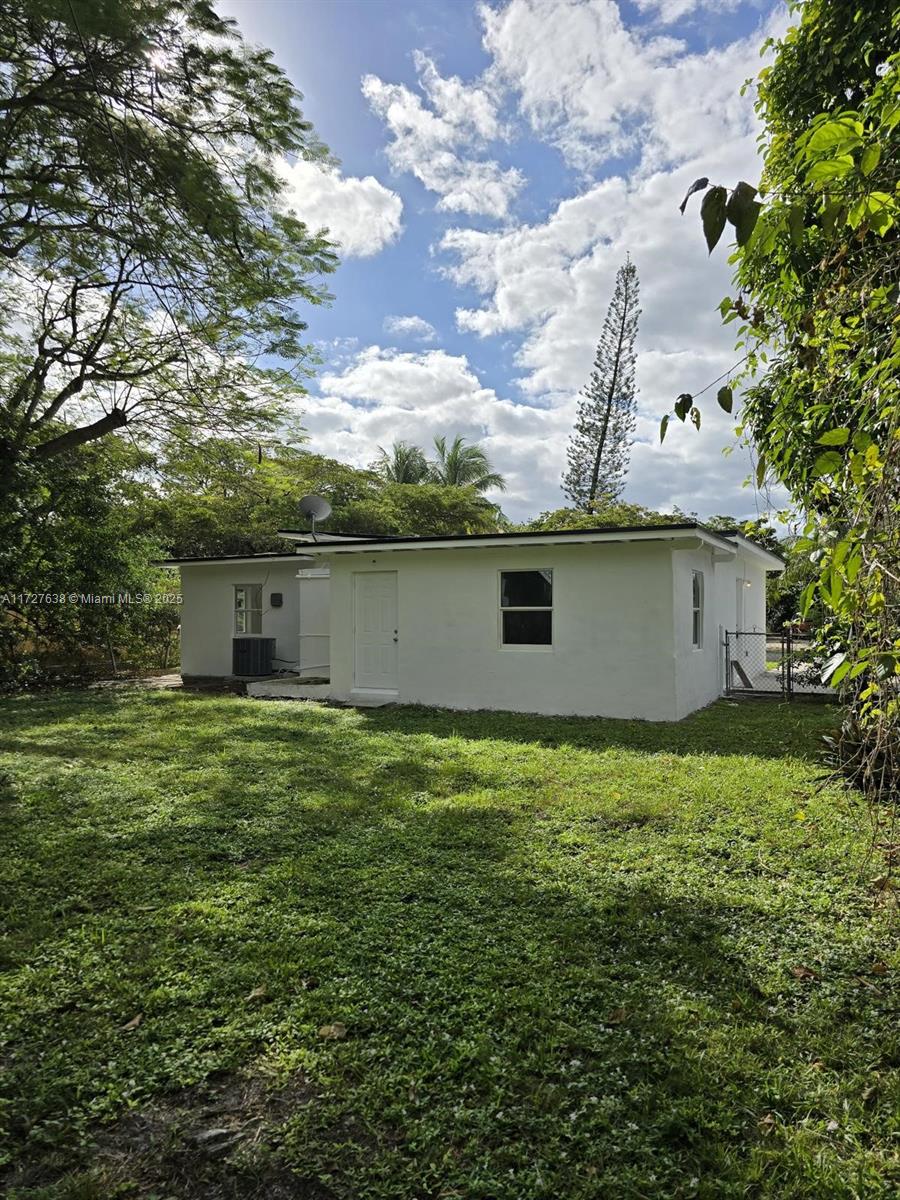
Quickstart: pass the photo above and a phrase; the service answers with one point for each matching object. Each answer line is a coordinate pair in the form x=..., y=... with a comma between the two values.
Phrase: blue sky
x=497, y=161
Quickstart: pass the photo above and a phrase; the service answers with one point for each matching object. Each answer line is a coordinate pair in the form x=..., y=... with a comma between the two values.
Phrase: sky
x=497, y=161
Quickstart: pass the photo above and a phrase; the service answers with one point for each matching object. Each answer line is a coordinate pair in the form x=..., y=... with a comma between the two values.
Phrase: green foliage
x=403, y=463
x=602, y=514
x=819, y=279
x=572, y=958
x=459, y=465
x=600, y=446
x=78, y=531
x=150, y=259
x=219, y=497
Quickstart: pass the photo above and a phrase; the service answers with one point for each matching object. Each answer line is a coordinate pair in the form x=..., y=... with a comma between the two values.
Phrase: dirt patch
x=216, y=1141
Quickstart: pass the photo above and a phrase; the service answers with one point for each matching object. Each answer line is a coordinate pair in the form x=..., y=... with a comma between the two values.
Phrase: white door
x=375, y=630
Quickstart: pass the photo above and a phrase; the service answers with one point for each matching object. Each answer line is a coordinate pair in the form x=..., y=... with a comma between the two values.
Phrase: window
x=697, y=610
x=526, y=608
x=248, y=608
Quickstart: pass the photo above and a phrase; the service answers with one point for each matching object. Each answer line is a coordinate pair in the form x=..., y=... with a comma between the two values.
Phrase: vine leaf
x=712, y=214
x=743, y=210
x=725, y=397
x=697, y=186
x=683, y=405
x=663, y=426
x=835, y=437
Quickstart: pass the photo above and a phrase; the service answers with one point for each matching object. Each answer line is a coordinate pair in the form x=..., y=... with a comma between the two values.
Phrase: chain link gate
x=759, y=663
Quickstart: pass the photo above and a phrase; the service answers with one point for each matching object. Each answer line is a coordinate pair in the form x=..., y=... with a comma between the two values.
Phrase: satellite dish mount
x=314, y=508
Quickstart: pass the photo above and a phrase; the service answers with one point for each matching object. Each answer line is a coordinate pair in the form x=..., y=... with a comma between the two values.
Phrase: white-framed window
x=248, y=608
x=526, y=608
x=697, y=609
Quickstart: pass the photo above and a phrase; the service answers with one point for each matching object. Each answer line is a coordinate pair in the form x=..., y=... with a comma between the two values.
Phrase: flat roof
x=262, y=556
x=341, y=544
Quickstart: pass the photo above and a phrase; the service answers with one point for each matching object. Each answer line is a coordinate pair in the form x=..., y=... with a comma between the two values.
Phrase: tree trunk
x=595, y=474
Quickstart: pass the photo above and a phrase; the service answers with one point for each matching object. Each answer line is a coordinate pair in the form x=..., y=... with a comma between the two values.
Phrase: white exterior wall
x=697, y=671
x=700, y=673
x=207, y=615
x=613, y=650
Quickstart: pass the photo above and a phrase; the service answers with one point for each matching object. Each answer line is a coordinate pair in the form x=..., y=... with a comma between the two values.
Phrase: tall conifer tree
x=600, y=447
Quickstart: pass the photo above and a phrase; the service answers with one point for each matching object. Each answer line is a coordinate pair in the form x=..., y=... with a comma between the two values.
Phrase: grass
x=277, y=950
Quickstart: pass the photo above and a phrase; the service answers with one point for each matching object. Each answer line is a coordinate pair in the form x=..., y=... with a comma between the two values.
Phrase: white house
x=617, y=622
x=228, y=601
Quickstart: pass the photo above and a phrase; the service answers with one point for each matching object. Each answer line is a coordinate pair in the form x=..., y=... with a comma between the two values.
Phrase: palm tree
x=403, y=463
x=464, y=466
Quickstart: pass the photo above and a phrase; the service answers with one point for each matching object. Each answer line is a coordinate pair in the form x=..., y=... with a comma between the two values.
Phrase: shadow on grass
x=761, y=728
x=523, y=1018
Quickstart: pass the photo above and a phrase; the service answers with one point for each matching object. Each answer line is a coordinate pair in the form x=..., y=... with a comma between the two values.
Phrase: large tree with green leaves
x=148, y=257
x=600, y=447
x=221, y=497
x=818, y=277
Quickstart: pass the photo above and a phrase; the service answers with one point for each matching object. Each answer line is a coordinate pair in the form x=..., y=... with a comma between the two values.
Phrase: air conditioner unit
x=252, y=655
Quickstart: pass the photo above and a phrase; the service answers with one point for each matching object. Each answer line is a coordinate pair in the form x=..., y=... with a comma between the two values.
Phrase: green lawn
x=561, y=958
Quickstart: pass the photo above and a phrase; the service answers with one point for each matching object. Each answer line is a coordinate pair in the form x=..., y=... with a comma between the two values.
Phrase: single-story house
x=616, y=622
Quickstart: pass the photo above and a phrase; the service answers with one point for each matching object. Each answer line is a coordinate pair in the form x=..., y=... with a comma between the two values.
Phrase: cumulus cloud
x=596, y=88
x=383, y=394
x=436, y=135
x=549, y=283
x=361, y=214
x=411, y=327
x=669, y=11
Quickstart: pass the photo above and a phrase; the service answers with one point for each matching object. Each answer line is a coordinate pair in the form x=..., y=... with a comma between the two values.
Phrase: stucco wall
x=612, y=652
x=699, y=673
x=207, y=614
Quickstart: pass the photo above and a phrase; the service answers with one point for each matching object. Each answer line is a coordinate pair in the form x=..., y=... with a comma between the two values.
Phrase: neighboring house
x=617, y=622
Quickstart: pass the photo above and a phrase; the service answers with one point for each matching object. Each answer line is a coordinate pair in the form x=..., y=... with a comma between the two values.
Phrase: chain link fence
x=761, y=663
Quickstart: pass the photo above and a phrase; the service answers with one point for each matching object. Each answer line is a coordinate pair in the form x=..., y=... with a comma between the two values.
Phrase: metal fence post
x=727, y=663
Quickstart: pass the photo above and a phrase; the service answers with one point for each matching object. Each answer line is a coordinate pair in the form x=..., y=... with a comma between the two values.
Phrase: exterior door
x=375, y=630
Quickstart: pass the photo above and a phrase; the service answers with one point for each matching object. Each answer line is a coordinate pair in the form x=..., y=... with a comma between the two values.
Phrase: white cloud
x=595, y=87
x=429, y=139
x=413, y=327
x=550, y=282
x=361, y=214
x=382, y=395
x=668, y=11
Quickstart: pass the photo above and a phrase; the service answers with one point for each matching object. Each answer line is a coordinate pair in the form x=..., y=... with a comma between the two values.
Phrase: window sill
x=528, y=649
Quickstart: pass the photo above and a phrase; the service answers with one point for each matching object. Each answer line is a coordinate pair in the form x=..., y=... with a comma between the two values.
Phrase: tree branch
x=78, y=437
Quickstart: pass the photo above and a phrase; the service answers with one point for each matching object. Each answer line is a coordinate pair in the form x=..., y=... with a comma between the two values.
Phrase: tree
x=459, y=465
x=403, y=463
x=818, y=270
x=606, y=513
x=220, y=497
x=83, y=530
x=600, y=447
x=149, y=258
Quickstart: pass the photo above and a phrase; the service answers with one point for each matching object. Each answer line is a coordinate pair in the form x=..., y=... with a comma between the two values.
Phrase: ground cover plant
x=269, y=949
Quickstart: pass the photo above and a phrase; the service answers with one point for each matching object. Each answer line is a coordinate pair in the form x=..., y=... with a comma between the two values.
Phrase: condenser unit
x=252, y=655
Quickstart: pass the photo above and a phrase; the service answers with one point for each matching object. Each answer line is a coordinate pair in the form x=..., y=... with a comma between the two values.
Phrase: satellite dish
x=314, y=508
